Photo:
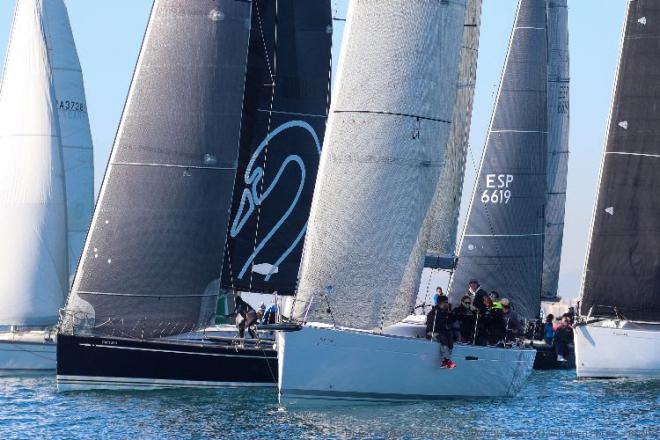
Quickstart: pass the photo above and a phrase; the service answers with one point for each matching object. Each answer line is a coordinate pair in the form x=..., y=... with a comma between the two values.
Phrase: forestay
x=558, y=127
x=152, y=260
x=284, y=116
x=33, y=261
x=622, y=275
x=502, y=244
x=74, y=125
x=383, y=154
x=447, y=200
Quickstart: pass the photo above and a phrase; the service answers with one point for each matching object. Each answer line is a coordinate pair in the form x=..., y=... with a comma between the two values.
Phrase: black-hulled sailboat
x=150, y=274
x=619, y=332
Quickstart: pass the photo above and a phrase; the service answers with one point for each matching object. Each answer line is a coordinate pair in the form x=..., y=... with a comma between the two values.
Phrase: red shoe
x=445, y=363
x=451, y=364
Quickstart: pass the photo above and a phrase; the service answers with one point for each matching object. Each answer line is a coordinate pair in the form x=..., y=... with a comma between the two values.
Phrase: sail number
x=497, y=188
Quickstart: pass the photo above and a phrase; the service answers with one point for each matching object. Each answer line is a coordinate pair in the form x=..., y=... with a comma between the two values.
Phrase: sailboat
x=221, y=129
x=504, y=239
x=366, y=240
x=619, y=330
x=47, y=184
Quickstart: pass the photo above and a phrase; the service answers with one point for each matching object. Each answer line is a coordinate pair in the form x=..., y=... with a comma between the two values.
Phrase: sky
x=109, y=33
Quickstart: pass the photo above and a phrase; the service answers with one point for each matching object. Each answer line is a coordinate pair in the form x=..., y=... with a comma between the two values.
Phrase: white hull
x=320, y=365
x=26, y=352
x=609, y=348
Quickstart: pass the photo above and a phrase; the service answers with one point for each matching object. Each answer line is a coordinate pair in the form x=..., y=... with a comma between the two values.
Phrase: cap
x=473, y=280
x=505, y=302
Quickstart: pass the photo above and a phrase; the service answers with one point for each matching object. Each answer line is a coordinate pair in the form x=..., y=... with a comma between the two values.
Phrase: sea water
x=553, y=404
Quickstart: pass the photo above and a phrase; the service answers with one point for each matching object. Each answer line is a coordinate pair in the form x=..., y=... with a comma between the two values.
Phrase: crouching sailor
x=439, y=328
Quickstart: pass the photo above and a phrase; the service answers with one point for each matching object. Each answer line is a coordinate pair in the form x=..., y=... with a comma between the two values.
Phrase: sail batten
x=621, y=277
x=381, y=162
x=502, y=242
x=158, y=231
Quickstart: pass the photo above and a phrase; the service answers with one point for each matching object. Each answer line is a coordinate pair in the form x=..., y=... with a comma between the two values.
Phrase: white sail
x=33, y=259
x=74, y=126
x=447, y=200
x=382, y=157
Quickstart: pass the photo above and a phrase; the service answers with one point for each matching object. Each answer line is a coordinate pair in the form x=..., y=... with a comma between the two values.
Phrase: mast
x=558, y=130
x=383, y=154
x=33, y=263
x=502, y=244
x=152, y=259
x=447, y=200
x=78, y=155
x=622, y=271
x=285, y=107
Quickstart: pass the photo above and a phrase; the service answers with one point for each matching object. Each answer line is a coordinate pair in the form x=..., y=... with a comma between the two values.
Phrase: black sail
x=622, y=275
x=284, y=116
x=502, y=243
x=152, y=258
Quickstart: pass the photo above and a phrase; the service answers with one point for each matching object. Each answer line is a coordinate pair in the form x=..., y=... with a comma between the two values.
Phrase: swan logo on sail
x=251, y=198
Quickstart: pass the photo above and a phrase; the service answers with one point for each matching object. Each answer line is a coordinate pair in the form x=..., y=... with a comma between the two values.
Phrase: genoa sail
x=502, y=244
x=389, y=124
x=33, y=263
x=285, y=109
x=152, y=259
x=622, y=273
x=78, y=156
x=558, y=127
x=447, y=201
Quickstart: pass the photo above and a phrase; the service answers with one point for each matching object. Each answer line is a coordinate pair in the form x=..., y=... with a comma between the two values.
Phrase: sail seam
x=625, y=153
x=519, y=131
x=202, y=295
x=504, y=235
x=279, y=112
x=165, y=165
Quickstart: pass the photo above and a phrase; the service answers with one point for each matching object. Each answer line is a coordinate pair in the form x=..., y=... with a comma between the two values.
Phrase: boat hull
x=90, y=362
x=325, y=366
x=28, y=352
x=612, y=349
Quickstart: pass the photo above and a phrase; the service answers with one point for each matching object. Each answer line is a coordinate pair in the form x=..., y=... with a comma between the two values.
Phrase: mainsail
x=152, y=259
x=383, y=154
x=502, y=244
x=33, y=261
x=447, y=200
x=558, y=124
x=284, y=115
x=622, y=273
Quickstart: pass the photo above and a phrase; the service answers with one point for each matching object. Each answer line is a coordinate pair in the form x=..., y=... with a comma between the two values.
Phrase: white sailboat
x=46, y=187
x=367, y=233
x=619, y=330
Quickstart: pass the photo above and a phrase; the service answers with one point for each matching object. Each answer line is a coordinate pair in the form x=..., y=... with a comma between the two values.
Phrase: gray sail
x=558, y=126
x=287, y=94
x=502, y=244
x=152, y=259
x=389, y=123
x=447, y=201
x=622, y=273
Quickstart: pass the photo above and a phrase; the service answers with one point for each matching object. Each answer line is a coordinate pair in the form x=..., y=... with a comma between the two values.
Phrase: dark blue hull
x=91, y=362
